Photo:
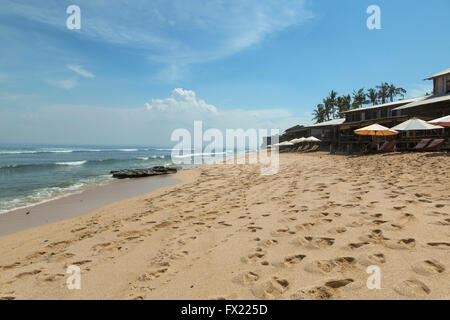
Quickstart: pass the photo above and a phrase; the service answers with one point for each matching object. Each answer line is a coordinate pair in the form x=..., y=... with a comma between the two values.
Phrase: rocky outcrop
x=140, y=173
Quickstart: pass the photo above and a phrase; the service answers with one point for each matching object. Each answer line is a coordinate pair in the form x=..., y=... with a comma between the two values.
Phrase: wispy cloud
x=419, y=90
x=176, y=32
x=67, y=84
x=80, y=71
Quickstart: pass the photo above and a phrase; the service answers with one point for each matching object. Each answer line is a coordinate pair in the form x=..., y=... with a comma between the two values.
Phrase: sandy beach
x=226, y=232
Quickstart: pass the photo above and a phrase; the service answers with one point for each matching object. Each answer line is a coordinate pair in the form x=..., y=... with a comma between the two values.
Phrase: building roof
x=439, y=74
x=294, y=128
x=389, y=104
x=427, y=100
x=334, y=122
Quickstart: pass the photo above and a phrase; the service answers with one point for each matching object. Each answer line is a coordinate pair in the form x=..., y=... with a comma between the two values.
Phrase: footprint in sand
x=152, y=275
x=357, y=245
x=291, y=260
x=29, y=273
x=325, y=292
x=412, y=288
x=445, y=222
x=401, y=244
x=282, y=232
x=371, y=259
x=375, y=236
x=314, y=242
x=305, y=226
x=247, y=278
x=60, y=257
x=337, y=230
x=327, y=266
x=11, y=266
x=269, y=242
x=270, y=289
x=254, y=257
x=428, y=267
x=439, y=245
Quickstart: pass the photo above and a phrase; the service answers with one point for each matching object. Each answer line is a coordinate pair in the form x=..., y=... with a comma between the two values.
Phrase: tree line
x=334, y=105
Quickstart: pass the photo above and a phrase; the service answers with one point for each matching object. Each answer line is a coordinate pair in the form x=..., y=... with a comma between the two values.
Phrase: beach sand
x=226, y=232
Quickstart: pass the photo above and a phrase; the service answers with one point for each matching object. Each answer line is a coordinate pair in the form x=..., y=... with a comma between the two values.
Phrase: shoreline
x=80, y=203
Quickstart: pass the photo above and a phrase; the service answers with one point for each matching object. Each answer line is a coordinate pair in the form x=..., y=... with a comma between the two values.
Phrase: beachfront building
x=432, y=106
x=338, y=134
x=390, y=114
x=294, y=133
x=327, y=132
x=357, y=118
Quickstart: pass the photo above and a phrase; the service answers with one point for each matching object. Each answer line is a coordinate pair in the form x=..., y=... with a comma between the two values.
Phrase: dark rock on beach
x=140, y=173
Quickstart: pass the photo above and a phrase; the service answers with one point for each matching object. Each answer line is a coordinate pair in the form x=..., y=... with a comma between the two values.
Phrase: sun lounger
x=371, y=148
x=388, y=146
x=313, y=148
x=421, y=145
x=304, y=148
x=435, y=145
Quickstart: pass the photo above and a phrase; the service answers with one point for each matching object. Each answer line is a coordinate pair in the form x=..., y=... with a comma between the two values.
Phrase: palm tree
x=393, y=91
x=327, y=104
x=359, y=98
x=372, y=94
x=319, y=113
x=343, y=103
x=333, y=102
x=383, y=91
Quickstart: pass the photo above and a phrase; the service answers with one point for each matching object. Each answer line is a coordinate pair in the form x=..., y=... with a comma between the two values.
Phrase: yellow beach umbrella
x=376, y=130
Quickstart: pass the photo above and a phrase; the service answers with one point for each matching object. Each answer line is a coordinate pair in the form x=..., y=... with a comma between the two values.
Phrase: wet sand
x=80, y=203
x=226, y=232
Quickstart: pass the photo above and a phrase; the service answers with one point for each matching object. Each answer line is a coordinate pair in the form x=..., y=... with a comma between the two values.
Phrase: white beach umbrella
x=295, y=141
x=444, y=121
x=312, y=139
x=415, y=124
x=376, y=130
x=282, y=144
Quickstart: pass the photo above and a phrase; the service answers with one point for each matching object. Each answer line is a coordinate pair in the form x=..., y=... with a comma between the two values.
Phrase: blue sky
x=135, y=72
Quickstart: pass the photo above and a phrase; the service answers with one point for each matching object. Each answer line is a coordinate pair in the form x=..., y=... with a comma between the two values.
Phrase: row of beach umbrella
x=295, y=141
x=413, y=124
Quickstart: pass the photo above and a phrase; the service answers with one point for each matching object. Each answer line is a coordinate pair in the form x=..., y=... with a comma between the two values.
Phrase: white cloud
x=181, y=101
x=80, y=71
x=176, y=32
x=67, y=84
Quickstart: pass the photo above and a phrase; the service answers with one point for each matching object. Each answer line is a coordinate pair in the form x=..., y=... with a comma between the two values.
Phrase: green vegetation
x=334, y=105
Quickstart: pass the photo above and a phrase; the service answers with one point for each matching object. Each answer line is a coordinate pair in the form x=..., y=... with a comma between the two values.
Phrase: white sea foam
x=127, y=150
x=44, y=195
x=16, y=151
x=71, y=163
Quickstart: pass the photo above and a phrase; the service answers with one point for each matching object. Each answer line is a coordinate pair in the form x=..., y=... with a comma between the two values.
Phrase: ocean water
x=32, y=174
